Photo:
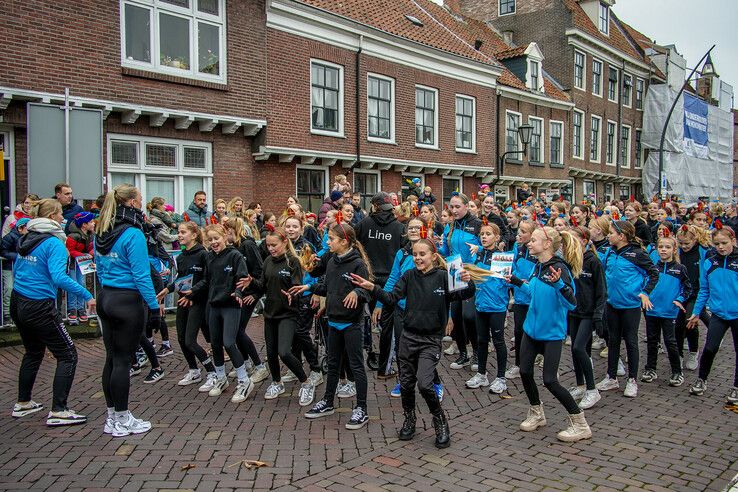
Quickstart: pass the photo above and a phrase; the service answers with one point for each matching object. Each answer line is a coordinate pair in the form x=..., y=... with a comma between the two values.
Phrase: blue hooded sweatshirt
x=629, y=273
x=550, y=303
x=673, y=285
x=493, y=294
x=719, y=285
x=523, y=266
x=465, y=230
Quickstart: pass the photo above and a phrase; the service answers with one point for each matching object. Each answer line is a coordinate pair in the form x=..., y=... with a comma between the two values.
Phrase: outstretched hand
x=692, y=322
x=362, y=282
x=243, y=283
x=555, y=274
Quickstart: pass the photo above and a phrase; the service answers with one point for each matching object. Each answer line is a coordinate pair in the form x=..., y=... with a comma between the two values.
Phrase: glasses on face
x=413, y=228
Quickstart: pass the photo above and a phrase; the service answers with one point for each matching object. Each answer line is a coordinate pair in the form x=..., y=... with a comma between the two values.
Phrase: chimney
x=507, y=37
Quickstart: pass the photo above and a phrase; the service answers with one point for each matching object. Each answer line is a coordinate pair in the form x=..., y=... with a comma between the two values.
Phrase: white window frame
x=326, y=175
x=611, y=194
x=583, y=87
x=435, y=119
x=599, y=139
x=499, y=9
x=376, y=173
x=519, y=142
x=603, y=8
x=561, y=145
x=629, y=102
x=625, y=163
x=473, y=149
x=341, y=93
x=637, y=154
x=529, y=75
x=599, y=86
x=581, y=135
x=542, y=153
x=178, y=173
x=370, y=138
x=156, y=7
x=615, y=143
x=620, y=191
x=617, y=84
x=594, y=188
x=642, y=82
x=459, y=179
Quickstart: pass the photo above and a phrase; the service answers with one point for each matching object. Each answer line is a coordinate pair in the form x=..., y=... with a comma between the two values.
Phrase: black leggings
x=464, y=316
x=40, y=326
x=303, y=341
x=417, y=359
x=148, y=348
x=122, y=313
x=158, y=324
x=348, y=343
x=654, y=328
x=224, y=330
x=188, y=322
x=715, y=333
x=399, y=325
x=493, y=323
x=551, y=350
x=520, y=312
x=622, y=325
x=279, y=334
x=581, y=348
x=692, y=336
x=243, y=341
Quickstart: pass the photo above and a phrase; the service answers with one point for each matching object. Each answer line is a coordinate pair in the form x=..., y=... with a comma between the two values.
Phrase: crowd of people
x=580, y=275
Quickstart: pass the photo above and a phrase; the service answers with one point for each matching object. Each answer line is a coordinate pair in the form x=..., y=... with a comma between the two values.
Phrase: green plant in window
x=211, y=64
x=174, y=62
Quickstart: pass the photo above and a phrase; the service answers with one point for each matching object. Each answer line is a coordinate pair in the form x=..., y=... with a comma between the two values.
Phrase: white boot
x=536, y=418
x=578, y=429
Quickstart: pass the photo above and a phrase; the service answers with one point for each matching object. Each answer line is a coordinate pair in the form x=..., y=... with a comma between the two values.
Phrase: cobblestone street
x=662, y=440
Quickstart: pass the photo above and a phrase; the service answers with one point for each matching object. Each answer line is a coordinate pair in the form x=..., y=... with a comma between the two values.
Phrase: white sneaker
x=209, y=384
x=347, y=391
x=452, y=349
x=65, y=417
x=220, y=385
x=316, y=377
x=288, y=377
x=447, y=339
x=608, y=384
x=567, y=342
x=132, y=426
x=109, y=425
x=621, y=368
x=539, y=360
x=249, y=366
x=274, y=390
x=498, y=386
x=597, y=342
x=512, y=373
x=191, y=377
x=477, y=380
x=306, y=393
x=691, y=363
x=577, y=392
x=26, y=409
x=243, y=390
x=260, y=374
x=233, y=374
x=589, y=399
x=631, y=388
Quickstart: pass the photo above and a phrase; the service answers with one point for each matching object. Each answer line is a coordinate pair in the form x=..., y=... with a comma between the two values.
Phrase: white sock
x=122, y=417
x=220, y=371
x=241, y=373
x=166, y=343
x=261, y=366
x=195, y=372
x=111, y=412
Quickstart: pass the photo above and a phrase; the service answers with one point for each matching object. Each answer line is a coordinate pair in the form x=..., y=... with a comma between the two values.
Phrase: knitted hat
x=22, y=222
x=83, y=218
x=336, y=195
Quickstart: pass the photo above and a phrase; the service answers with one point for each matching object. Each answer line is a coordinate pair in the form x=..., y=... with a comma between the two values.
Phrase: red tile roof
x=643, y=41
x=616, y=39
x=511, y=53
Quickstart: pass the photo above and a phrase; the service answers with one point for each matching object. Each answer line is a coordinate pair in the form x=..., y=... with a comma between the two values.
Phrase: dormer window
x=534, y=66
x=534, y=75
x=604, y=19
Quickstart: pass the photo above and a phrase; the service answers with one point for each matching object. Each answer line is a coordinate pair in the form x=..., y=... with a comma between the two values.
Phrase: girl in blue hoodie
x=668, y=297
x=552, y=297
x=719, y=292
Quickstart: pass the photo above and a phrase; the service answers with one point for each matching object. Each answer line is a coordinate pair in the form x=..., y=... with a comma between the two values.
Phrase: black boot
x=372, y=361
x=408, y=427
x=443, y=435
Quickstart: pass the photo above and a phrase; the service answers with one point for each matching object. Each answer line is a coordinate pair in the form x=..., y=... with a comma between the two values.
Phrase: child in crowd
x=79, y=243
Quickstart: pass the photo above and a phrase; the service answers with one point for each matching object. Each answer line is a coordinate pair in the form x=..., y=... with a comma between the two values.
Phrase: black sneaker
x=372, y=361
x=408, y=427
x=359, y=418
x=461, y=362
x=154, y=376
x=164, y=350
x=135, y=370
x=320, y=409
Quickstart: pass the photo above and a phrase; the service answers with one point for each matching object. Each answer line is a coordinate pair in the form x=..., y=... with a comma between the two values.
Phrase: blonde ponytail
x=117, y=196
x=572, y=250
x=45, y=208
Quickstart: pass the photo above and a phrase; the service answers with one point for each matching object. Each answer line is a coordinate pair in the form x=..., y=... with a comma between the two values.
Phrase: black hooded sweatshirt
x=279, y=274
x=427, y=300
x=193, y=262
x=224, y=269
x=382, y=236
x=337, y=283
x=591, y=289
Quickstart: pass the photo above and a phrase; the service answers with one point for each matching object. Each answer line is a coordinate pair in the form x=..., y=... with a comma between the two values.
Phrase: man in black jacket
x=382, y=236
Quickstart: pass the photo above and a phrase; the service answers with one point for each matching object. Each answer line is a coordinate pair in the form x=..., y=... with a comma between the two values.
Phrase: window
x=625, y=146
x=627, y=86
x=625, y=192
x=595, y=142
x=597, y=77
x=579, y=60
x=172, y=169
x=535, y=76
x=639, y=150
x=556, y=129
x=535, y=149
x=610, y=150
x=589, y=190
x=326, y=81
x=608, y=192
x=465, y=124
x=177, y=37
x=312, y=187
x=512, y=139
x=604, y=19
x=612, y=85
x=380, y=110
x=450, y=185
x=507, y=7
x=407, y=186
x=367, y=184
x=640, y=84
x=577, y=134
x=426, y=117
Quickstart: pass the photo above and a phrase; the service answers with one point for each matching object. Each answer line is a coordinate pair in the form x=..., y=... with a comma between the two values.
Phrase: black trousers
x=417, y=359
x=551, y=350
x=40, y=326
x=303, y=341
x=491, y=323
x=464, y=316
x=654, y=328
x=399, y=326
x=243, y=341
x=715, y=333
x=520, y=312
x=349, y=341
x=278, y=335
x=681, y=332
x=224, y=330
x=580, y=330
x=122, y=313
x=188, y=322
x=386, y=336
x=622, y=324
x=159, y=324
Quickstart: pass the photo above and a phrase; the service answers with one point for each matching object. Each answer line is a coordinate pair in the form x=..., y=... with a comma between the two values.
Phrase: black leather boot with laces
x=443, y=434
x=408, y=427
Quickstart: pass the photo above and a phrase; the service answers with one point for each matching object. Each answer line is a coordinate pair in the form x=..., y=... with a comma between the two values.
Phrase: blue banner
x=695, y=124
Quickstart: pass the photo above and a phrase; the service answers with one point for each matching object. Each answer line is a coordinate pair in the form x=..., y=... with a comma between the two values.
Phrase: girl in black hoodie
x=345, y=310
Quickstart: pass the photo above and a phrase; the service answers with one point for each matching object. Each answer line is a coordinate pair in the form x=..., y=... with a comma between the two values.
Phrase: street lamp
x=524, y=133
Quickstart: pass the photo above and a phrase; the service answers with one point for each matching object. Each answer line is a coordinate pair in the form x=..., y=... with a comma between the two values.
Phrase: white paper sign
x=454, y=265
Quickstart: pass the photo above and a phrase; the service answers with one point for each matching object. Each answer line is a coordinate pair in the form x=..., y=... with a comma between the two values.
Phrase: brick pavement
x=662, y=440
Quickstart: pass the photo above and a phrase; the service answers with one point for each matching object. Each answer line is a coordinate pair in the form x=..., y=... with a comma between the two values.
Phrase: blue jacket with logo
x=629, y=272
x=493, y=294
x=719, y=285
x=403, y=262
x=523, y=266
x=550, y=303
x=602, y=248
x=673, y=285
x=653, y=253
x=465, y=230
